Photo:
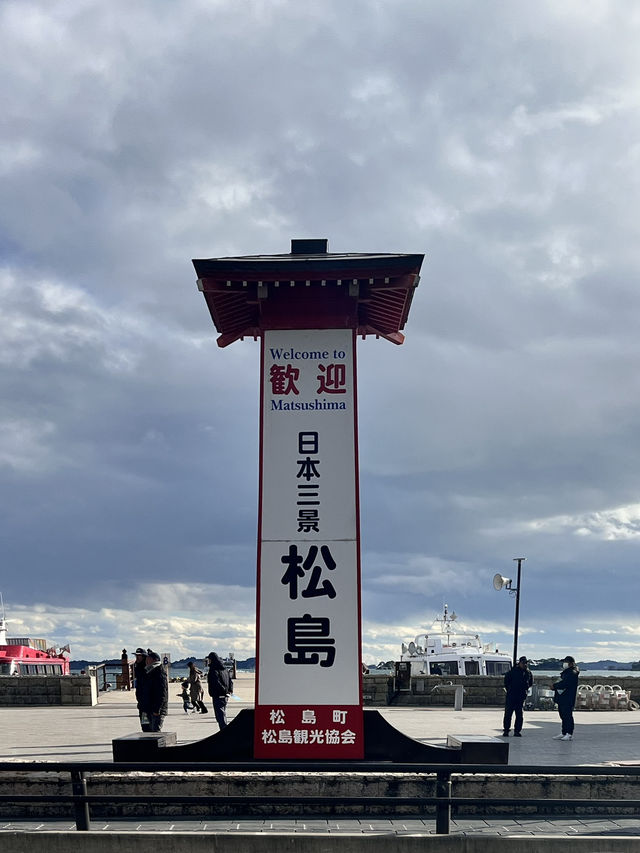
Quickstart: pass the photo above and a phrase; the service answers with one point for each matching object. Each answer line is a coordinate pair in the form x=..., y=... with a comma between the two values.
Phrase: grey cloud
x=498, y=139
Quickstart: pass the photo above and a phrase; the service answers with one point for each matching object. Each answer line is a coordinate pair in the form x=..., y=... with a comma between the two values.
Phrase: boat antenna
x=446, y=623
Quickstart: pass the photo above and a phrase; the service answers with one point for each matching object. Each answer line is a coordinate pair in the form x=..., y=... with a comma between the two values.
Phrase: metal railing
x=443, y=800
x=99, y=672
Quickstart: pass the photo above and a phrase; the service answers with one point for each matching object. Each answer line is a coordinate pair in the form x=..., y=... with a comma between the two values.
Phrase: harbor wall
x=336, y=787
x=479, y=690
x=35, y=690
x=305, y=842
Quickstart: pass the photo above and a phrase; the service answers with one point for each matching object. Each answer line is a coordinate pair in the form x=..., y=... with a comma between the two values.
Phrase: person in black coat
x=220, y=686
x=517, y=682
x=566, y=691
x=139, y=676
x=155, y=692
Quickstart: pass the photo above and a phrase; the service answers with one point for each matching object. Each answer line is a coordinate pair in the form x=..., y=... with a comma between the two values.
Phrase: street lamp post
x=519, y=561
x=506, y=583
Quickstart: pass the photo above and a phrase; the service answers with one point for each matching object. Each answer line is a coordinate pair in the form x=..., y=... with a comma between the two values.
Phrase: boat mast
x=446, y=623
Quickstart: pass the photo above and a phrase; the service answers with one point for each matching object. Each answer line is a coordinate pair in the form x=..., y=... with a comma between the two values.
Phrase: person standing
x=220, y=686
x=196, y=689
x=139, y=676
x=155, y=693
x=566, y=691
x=517, y=682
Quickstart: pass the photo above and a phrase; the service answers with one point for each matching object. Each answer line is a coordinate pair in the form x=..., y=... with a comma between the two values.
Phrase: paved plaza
x=85, y=734
x=570, y=827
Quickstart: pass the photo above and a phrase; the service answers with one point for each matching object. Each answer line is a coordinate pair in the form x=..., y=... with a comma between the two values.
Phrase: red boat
x=27, y=656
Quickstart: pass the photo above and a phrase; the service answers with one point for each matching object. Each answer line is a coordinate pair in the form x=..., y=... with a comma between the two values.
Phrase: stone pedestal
x=143, y=746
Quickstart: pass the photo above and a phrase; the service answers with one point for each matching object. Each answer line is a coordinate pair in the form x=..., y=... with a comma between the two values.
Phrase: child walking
x=186, y=699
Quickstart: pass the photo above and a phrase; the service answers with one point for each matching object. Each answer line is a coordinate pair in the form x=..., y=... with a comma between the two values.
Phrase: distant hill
x=585, y=666
x=249, y=663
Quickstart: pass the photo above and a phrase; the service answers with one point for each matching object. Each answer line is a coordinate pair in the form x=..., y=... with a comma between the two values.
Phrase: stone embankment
x=339, y=786
x=479, y=690
x=48, y=690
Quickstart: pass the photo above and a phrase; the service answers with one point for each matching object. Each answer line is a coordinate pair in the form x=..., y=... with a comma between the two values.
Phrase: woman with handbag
x=196, y=689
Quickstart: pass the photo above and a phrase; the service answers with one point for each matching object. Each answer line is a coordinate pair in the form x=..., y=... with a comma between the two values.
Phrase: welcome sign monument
x=307, y=308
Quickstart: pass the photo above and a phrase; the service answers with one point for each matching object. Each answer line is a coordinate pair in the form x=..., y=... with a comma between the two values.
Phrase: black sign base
x=382, y=742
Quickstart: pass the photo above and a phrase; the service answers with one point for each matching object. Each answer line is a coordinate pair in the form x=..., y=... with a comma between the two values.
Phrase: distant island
x=250, y=664
x=612, y=665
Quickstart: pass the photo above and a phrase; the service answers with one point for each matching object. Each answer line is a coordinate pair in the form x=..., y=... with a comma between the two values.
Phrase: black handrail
x=443, y=800
x=325, y=767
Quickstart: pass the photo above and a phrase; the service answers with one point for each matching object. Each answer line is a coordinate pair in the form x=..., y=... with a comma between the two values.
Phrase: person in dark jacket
x=139, y=675
x=517, y=682
x=220, y=686
x=565, y=696
x=155, y=692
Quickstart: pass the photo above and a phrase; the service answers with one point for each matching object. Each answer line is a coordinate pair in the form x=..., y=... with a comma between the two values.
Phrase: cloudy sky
x=499, y=138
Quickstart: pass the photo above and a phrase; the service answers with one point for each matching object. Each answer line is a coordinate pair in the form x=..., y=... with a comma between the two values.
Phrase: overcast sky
x=500, y=139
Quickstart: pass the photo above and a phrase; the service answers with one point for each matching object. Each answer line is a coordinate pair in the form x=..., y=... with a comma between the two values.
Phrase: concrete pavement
x=85, y=734
x=66, y=733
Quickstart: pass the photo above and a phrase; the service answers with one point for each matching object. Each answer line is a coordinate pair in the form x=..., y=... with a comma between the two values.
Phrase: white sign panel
x=308, y=400
x=309, y=646
x=309, y=598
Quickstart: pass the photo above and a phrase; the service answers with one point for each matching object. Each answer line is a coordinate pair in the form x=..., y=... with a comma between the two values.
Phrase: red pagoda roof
x=309, y=288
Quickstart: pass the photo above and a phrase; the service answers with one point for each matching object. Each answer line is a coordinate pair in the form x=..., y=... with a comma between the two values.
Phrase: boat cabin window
x=498, y=667
x=471, y=667
x=447, y=667
x=35, y=669
x=5, y=669
x=32, y=669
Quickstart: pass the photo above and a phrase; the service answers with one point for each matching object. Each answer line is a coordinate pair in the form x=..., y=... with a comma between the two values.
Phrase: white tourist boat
x=448, y=649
